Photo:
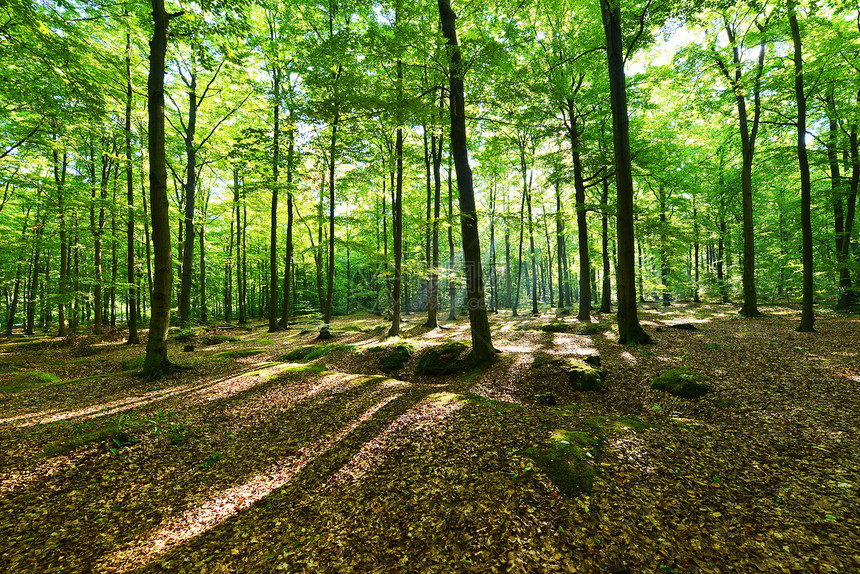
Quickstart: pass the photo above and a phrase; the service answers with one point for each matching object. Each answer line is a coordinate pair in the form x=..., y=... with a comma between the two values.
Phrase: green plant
x=210, y=460
x=134, y=364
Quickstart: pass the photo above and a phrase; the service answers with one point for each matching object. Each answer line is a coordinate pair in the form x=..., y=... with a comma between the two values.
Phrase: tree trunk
x=482, y=345
x=807, y=317
x=156, y=363
x=325, y=331
x=629, y=329
x=606, y=292
x=273, y=224
x=190, y=195
x=60, y=180
x=288, y=258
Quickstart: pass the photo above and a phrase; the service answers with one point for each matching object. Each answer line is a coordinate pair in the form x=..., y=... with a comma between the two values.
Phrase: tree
x=482, y=345
x=629, y=329
x=156, y=363
x=807, y=318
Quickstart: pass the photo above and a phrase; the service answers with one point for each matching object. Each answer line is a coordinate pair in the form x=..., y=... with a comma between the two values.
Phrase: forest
x=451, y=285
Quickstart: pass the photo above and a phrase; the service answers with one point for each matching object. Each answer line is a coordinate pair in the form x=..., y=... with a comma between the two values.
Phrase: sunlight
x=220, y=507
x=113, y=407
x=429, y=412
x=628, y=356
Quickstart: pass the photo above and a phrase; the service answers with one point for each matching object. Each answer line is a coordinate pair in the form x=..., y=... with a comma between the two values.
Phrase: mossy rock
x=442, y=360
x=584, y=377
x=592, y=360
x=682, y=383
x=311, y=352
x=563, y=460
x=396, y=358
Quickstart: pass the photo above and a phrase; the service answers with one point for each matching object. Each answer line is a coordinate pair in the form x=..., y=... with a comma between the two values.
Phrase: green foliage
x=210, y=460
x=121, y=431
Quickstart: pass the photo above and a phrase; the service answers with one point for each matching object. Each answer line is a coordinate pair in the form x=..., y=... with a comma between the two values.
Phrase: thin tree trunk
x=606, y=292
x=807, y=317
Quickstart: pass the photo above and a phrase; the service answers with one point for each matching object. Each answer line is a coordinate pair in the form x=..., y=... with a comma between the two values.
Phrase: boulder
x=442, y=360
x=584, y=377
x=682, y=383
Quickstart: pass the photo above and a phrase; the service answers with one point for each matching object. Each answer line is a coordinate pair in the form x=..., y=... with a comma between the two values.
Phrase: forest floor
x=248, y=462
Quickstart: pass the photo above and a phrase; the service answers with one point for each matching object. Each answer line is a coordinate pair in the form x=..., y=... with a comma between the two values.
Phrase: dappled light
x=225, y=504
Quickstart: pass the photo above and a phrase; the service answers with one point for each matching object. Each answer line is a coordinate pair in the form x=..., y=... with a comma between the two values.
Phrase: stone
x=584, y=377
x=682, y=382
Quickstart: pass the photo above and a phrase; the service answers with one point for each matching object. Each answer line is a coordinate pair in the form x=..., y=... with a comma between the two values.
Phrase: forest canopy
x=308, y=166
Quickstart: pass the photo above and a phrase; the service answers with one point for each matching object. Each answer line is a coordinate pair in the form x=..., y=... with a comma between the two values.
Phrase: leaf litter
x=256, y=464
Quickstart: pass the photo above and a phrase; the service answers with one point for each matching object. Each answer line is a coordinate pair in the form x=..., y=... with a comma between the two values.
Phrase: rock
x=593, y=360
x=188, y=348
x=546, y=399
x=584, y=377
x=443, y=360
x=396, y=358
x=682, y=383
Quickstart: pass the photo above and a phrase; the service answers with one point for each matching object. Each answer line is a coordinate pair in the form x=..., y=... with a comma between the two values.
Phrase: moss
x=682, y=383
x=542, y=360
x=584, y=377
x=563, y=460
x=183, y=335
x=219, y=339
x=238, y=353
x=442, y=360
x=311, y=352
x=725, y=403
x=24, y=381
x=396, y=358
x=592, y=329
x=134, y=364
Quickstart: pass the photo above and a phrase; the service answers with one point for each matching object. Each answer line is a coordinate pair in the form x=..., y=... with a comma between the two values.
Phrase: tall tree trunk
x=60, y=180
x=273, y=224
x=397, y=220
x=433, y=286
x=228, y=266
x=452, y=285
x=606, y=292
x=574, y=133
x=629, y=329
x=190, y=194
x=482, y=345
x=288, y=258
x=204, y=312
x=516, y=306
x=156, y=362
x=748, y=140
x=807, y=317
x=527, y=195
x=325, y=331
x=664, y=250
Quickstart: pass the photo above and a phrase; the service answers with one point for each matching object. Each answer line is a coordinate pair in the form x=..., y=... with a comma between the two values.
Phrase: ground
x=248, y=462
